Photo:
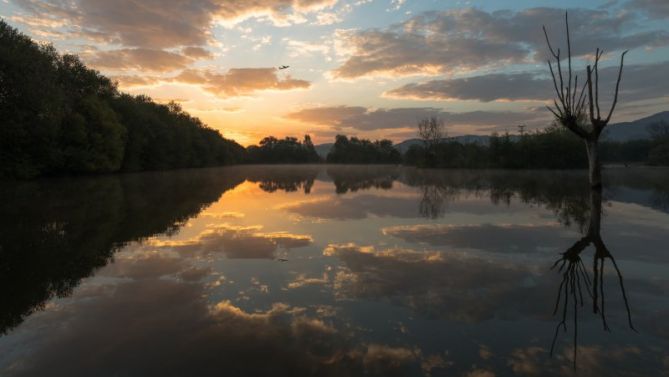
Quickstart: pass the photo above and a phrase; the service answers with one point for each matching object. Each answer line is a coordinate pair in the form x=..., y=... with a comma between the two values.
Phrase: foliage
x=552, y=148
x=363, y=151
x=659, y=153
x=280, y=151
x=60, y=117
x=634, y=151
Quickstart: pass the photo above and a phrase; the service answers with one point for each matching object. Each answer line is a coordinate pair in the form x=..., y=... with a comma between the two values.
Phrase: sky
x=369, y=68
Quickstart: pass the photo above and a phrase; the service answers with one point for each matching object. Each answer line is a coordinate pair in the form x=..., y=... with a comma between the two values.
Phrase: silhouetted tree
x=363, y=151
x=285, y=151
x=431, y=131
x=569, y=107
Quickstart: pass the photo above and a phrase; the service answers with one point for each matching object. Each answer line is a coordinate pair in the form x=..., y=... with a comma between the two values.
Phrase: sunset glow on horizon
x=368, y=68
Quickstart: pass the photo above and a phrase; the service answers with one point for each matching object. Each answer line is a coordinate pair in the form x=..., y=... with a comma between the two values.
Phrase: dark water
x=336, y=271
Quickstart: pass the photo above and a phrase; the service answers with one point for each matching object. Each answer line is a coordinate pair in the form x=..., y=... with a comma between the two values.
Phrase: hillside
x=634, y=130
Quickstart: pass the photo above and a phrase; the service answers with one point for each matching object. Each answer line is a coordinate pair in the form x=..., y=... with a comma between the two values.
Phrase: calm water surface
x=336, y=271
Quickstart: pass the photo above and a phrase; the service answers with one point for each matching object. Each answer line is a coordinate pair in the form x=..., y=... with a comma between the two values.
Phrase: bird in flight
x=284, y=67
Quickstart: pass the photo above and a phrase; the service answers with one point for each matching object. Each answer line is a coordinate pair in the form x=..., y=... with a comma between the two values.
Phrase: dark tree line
x=552, y=148
x=659, y=152
x=288, y=150
x=60, y=117
x=363, y=151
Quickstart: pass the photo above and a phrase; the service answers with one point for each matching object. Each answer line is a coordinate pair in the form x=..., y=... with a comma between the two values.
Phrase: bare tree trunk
x=595, y=225
x=595, y=166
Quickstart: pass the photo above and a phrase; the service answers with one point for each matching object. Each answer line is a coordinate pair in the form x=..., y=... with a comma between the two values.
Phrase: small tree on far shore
x=431, y=131
x=569, y=107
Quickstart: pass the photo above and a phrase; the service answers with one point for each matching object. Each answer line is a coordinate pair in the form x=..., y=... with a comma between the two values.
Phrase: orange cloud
x=241, y=81
x=139, y=58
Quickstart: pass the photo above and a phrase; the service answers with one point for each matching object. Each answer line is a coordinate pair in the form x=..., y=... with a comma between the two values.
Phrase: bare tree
x=431, y=131
x=569, y=107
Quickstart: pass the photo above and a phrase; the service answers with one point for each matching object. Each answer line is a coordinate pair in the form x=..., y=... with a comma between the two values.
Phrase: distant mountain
x=634, y=130
x=323, y=149
x=464, y=139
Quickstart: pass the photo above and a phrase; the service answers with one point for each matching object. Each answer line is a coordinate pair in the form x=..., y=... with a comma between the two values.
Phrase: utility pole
x=521, y=129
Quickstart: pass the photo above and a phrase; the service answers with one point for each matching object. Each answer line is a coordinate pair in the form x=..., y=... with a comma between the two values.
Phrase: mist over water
x=335, y=271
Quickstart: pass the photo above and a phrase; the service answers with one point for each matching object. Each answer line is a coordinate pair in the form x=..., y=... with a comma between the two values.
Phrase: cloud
x=147, y=24
x=196, y=52
x=240, y=81
x=298, y=48
x=135, y=80
x=246, y=242
x=280, y=12
x=139, y=58
x=459, y=40
x=654, y=9
x=364, y=119
x=639, y=83
x=162, y=23
x=485, y=88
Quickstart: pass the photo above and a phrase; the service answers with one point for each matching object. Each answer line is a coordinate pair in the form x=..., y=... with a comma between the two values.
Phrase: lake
x=336, y=271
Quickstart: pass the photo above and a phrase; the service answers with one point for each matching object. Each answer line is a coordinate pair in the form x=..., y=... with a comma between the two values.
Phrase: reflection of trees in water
x=57, y=232
x=287, y=186
x=283, y=177
x=362, y=177
x=291, y=178
x=654, y=179
x=435, y=199
x=562, y=192
x=576, y=279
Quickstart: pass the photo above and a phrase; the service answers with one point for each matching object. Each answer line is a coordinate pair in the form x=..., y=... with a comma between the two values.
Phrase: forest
x=60, y=117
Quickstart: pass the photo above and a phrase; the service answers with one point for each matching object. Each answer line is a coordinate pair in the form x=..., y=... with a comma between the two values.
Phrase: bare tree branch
x=615, y=96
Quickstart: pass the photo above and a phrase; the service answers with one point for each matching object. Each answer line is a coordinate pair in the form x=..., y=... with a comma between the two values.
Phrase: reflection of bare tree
x=434, y=200
x=575, y=277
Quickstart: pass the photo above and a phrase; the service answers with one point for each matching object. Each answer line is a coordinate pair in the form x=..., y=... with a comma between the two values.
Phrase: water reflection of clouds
x=354, y=208
x=235, y=241
x=164, y=327
x=407, y=205
x=456, y=286
x=503, y=238
x=460, y=286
